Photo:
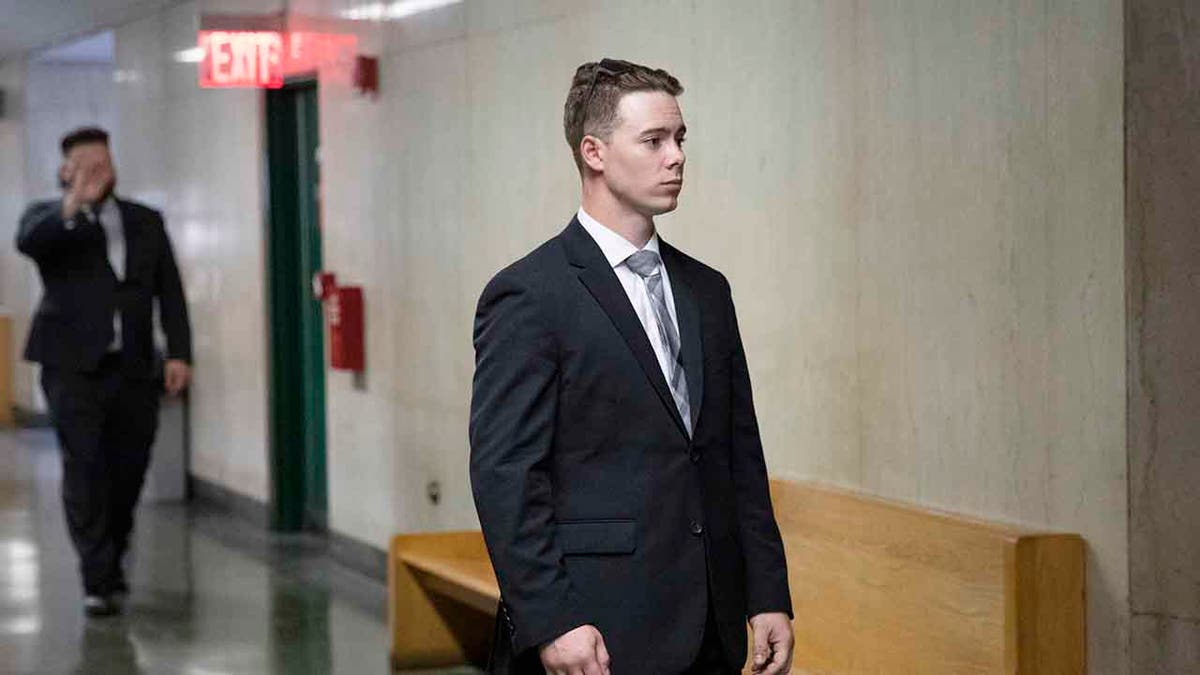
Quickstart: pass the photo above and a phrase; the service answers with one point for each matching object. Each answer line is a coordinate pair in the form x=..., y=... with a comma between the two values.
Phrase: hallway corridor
x=211, y=595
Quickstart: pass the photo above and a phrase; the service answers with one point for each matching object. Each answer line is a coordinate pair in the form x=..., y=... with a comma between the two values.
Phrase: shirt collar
x=615, y=247
x=109, y=206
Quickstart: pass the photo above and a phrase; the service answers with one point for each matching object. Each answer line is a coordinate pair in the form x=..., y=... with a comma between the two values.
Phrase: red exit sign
x=241, y=59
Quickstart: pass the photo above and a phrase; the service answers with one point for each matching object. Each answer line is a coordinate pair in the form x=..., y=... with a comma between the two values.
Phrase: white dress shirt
x=616, y=250
x=114, y=233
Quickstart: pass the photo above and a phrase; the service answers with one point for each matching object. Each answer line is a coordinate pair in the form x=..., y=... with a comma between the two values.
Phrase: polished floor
x=212, y=595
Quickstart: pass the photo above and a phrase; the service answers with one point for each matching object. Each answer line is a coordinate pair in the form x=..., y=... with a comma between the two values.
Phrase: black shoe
x=101, y=605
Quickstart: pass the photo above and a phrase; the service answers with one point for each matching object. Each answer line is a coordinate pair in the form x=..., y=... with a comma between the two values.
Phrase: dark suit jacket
x=73, y=325
x=595, y=506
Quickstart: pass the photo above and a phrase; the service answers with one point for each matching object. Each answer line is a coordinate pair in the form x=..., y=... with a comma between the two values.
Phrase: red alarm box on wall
x=345, y=306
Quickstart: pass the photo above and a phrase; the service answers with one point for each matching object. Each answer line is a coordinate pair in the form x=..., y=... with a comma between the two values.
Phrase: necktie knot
x=644, y=263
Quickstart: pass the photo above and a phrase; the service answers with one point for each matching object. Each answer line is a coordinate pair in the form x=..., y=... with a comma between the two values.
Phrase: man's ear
x=592, y=150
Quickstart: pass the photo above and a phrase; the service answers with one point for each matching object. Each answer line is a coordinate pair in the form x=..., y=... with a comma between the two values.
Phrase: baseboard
x=346, y=551
x=358, y=556
x=221, y=497
x=30, y=419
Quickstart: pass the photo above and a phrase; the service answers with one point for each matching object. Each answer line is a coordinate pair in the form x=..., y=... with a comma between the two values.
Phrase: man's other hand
x=773, y=643
x=577, y=652
x=176, y=375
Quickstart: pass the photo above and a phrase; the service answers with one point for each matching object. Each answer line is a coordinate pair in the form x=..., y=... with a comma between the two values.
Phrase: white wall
x=60, y=97
x=197, y=155
x=918, y=204
x=919, y=208
x=990, y=234
x=46, y=101
x=16, y=276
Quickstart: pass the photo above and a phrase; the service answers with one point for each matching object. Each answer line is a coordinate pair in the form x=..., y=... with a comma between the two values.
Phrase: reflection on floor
x=211, y=595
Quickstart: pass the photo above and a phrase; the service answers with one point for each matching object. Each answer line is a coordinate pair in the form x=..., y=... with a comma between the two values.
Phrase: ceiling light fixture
x=193, y=55
x=391, y=11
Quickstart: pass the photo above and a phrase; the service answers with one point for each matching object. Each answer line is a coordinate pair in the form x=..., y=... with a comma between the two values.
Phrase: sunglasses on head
x=611, y=68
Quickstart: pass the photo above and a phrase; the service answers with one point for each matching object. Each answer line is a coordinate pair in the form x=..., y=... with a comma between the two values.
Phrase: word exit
x=241, y=59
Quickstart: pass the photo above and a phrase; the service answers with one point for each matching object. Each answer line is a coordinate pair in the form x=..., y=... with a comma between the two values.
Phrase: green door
x=297, y=396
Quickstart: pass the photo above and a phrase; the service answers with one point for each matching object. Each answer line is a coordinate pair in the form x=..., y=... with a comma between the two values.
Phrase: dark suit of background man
x=615, y=455
x=103, y=262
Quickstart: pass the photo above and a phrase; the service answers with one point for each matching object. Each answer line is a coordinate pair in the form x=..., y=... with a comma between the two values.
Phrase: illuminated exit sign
x=233, y=58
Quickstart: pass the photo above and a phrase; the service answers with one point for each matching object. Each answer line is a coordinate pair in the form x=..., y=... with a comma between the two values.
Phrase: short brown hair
x=596, y=90
x=83, y=135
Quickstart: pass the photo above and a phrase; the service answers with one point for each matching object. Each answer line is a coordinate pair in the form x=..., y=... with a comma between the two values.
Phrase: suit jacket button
x=697, y=528
x=695, y=457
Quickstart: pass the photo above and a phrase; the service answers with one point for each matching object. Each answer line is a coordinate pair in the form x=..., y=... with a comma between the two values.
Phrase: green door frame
x=295, y=318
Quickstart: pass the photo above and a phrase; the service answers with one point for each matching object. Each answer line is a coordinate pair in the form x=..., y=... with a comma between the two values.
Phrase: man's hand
x=88, y=175
x=72, y=176
x=773, y=643
x=577, y=652
x=176, y=375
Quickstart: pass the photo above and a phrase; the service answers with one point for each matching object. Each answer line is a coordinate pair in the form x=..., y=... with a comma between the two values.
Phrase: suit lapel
x=687, y=310
x=601, y=281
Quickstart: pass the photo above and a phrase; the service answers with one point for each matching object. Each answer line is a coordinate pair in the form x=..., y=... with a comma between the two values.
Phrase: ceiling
x=95, y=48
x=27, y=25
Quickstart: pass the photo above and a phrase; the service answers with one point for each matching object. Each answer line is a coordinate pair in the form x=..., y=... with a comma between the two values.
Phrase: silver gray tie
x=647, y=265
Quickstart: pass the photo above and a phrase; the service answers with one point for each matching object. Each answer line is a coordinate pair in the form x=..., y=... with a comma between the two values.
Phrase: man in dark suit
x=615, y=455
x=103, y=262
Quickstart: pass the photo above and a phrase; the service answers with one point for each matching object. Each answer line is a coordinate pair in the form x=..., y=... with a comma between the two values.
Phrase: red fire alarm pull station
x=324, y=284
x=345, y=312
x=366, y=75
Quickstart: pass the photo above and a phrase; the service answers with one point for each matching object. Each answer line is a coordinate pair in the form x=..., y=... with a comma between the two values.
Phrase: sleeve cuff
x=526, y=637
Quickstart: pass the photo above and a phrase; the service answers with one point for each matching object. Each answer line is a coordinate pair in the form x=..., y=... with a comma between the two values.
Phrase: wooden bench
x=442, y=599
x=877, y=587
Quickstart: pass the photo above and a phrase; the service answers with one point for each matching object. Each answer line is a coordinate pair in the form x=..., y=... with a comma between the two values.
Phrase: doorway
x=296, y=325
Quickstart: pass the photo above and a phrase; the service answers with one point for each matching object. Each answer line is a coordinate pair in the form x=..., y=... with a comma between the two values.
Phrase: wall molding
x=344, y=550
x=235, y=503
x=358, y=556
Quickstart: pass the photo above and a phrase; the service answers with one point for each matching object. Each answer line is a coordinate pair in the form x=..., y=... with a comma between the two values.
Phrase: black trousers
x=106, y=423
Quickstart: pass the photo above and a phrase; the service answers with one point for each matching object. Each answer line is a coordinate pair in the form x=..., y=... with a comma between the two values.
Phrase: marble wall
x=990, y=299
x=46, y=101
x=919, y=209
x=919, y=206
x=1163, y=268
x=16, y=277
x=198, y=156
x=60, y=97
